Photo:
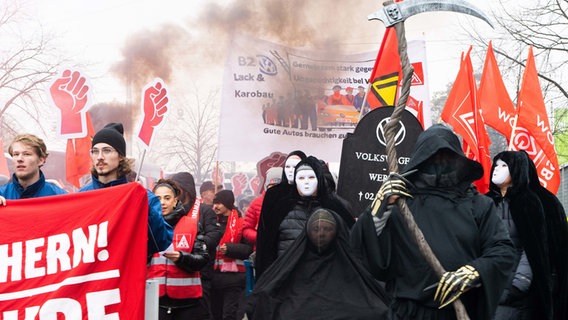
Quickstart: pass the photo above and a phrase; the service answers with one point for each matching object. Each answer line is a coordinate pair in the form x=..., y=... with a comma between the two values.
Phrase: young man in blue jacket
x=110, y=168
x=29, y=154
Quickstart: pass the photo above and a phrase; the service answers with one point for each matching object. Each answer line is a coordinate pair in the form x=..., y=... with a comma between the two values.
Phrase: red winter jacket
x=251, y=220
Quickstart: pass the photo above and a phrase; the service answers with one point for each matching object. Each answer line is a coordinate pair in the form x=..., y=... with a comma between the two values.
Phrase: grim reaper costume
x=459, y=224
x=318, y=279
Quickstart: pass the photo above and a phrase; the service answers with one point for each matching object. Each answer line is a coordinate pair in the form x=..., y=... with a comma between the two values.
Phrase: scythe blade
x=400, y=11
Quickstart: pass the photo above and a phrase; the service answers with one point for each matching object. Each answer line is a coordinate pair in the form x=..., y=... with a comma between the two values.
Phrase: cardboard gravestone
x=364, y=166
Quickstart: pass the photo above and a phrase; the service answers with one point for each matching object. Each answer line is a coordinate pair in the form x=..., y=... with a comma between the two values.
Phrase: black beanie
x=112, y=134
x=226, y=198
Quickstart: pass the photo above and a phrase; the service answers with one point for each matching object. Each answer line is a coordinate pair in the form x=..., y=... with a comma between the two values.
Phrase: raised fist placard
x=155, y=108
x=69, y=93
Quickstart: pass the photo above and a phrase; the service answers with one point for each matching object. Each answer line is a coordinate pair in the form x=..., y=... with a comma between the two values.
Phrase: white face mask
x=306, y=182
x=290, y=166
x=500, y=173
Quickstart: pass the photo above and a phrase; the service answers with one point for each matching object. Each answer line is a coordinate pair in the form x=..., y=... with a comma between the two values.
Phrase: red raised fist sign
x=69, y=93
x=155, y=107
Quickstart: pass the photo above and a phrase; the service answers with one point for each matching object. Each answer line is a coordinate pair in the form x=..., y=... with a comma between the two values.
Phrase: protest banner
x=75, y=256
x=273, y=98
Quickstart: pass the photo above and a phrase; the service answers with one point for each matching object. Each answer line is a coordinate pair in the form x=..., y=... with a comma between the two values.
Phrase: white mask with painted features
x=500, y=173
x=306, y=182
x=290, y=166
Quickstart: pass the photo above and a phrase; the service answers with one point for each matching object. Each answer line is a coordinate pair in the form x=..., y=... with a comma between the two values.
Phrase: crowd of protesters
x=505, y=254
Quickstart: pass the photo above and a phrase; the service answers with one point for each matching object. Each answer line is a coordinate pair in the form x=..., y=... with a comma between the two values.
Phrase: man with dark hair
x=207, y=191
x=29, y=154
x=110, y=168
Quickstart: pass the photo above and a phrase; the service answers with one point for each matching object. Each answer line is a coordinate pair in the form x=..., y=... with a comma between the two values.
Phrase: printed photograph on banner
x=295, y=98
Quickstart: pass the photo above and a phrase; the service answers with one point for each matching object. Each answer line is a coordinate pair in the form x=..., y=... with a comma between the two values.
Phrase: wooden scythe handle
x=390, y=132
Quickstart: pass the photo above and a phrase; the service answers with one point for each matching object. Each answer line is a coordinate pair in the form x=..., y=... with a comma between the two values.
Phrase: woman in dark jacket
x=528, y=295
x=177, y=270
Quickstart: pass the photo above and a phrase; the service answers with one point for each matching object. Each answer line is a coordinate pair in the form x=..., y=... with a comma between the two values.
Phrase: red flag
x=386, y=73
x=77, y=156
x=416, y=107
x=3, y=162
x=494, y=101
x=462, y=113
x=532, y=132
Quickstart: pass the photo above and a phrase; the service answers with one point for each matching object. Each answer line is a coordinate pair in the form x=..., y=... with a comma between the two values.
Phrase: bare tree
x=27, y=63
x=190, y=138
x=543, y=25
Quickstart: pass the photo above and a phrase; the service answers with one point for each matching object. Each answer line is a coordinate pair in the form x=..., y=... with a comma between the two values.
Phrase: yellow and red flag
x=386, y=73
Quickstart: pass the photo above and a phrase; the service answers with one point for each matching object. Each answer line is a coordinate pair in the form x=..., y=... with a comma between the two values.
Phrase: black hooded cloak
x=459, y=224
x=557, y=236
x=268, y=232
x=528, y=216
x=318, y=284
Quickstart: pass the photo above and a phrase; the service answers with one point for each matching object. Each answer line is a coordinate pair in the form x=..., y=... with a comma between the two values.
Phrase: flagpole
x=140, y=167
x=510, y=147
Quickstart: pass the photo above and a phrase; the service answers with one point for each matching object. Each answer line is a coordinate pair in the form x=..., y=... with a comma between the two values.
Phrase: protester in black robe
x=318, y=278
x=268, y=243
x=557, y=236
x=528, y=293
x=459, y=224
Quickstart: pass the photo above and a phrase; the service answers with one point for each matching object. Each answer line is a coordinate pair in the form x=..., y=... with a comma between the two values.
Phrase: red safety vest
x=173, y=281
x=233, y=234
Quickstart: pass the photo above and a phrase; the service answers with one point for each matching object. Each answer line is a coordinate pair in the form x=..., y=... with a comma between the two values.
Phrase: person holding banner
x=459, y=224
x=110, y=168
x=177, y=270
x=29, y=154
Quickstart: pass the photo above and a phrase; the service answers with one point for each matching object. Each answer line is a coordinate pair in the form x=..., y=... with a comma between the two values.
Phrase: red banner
x=76, y=256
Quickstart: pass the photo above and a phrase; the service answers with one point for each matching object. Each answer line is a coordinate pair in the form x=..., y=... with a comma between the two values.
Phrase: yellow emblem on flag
x=385, y=88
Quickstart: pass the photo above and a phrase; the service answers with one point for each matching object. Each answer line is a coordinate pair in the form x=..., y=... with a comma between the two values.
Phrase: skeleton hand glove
x=454, y=283
x=381, y=210
x=394, y=185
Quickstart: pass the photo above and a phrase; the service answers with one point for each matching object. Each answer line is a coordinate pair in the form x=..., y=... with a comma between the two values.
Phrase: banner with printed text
x=76, y=256
x=278, y=98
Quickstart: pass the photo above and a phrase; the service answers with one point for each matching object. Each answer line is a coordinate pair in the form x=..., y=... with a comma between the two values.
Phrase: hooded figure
x=284, y=223
x=271, y=198
x=318, y=278
x=528, y=292
x=557, y=236
x=460, y=225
